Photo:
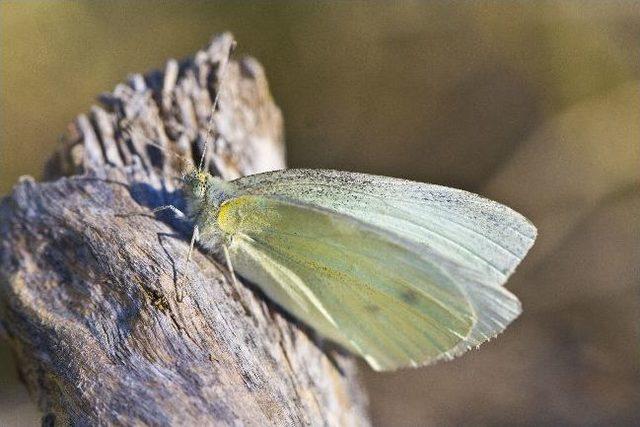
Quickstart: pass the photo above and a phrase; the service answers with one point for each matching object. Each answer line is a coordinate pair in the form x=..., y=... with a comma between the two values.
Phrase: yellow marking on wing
x=229, y=217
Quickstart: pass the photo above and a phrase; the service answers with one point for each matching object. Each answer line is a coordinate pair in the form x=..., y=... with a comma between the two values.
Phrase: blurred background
x=536, y=106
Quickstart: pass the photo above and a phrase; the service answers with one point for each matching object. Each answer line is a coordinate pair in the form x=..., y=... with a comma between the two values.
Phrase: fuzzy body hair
x=205, y=194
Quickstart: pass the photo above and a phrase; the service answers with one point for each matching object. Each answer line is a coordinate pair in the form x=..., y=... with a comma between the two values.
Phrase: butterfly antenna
x=167, y=151
x=133, y=131
x=214, y=105
x=196, y=235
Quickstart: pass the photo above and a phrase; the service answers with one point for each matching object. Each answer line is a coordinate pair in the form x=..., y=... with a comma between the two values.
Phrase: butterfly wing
x=355, y=284
x=476, y=242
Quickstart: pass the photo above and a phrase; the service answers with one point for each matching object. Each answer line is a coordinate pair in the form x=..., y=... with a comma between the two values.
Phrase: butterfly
x=401, y=273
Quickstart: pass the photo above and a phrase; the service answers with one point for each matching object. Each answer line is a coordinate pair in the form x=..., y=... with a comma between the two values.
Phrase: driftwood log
x=88, y=292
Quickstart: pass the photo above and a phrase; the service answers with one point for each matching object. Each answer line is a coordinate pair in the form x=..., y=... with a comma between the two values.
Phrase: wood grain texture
x=87, y=293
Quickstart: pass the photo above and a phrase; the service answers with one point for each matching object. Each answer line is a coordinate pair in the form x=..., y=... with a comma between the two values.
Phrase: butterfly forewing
x=481, y=233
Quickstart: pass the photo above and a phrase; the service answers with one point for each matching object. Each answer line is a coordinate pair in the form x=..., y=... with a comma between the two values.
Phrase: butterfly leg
x=229, y=265
x=177, y=212
x=234, y=279
x=194, y=237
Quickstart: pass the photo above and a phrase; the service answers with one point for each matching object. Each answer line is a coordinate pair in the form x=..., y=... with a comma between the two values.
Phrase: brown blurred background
x=536, y=106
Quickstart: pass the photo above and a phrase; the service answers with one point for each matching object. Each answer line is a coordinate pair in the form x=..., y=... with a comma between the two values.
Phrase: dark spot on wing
x=410, y=296
x=372, y=308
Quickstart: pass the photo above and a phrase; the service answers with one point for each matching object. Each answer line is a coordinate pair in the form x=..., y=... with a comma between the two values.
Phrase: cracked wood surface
x=87, y=295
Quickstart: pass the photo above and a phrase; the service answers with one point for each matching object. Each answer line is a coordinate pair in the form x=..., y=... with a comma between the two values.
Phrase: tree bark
x=88, y=291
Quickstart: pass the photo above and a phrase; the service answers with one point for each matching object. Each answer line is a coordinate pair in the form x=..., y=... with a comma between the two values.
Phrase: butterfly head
x=205, y=192
x=197, y=182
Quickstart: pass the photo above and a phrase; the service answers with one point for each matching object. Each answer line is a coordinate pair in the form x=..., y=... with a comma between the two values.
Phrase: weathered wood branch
x=88, y=295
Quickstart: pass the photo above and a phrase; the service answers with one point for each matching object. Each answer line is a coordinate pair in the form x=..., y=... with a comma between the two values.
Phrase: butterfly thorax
x=205, y=194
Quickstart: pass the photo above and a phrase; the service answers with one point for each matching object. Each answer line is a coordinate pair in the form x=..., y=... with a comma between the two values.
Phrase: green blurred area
x=535, y=105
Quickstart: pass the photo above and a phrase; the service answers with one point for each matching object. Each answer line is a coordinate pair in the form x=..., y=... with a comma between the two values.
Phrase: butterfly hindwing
x=356, y=284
